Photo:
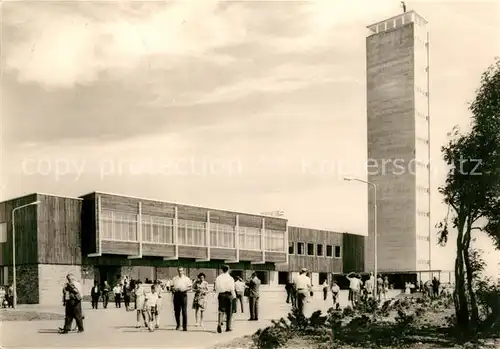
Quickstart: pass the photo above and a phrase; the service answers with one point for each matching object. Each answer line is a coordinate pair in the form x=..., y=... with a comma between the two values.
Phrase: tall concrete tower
x=397, y=70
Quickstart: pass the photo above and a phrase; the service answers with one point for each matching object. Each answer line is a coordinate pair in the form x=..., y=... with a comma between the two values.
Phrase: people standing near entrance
x=380, y=288
x=335, y=295
x=253, y=285
x=117, y=290
x=226, y=292
x=181, y=284
x=200, y=288
x=72, y=301
x=325, y=289
x=106, y=289
x=240, y=292
x=370, y=286
x=303, y=288
x=95, y=293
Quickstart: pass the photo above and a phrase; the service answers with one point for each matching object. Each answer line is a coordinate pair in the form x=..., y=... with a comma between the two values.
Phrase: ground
x=116, y=327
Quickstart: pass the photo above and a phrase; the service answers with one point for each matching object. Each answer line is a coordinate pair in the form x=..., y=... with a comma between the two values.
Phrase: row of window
x=423, y=189
x=310, y=249
x=160, y=230
x=424, y=261
x=422, y=91
x=423, y=238
x=423, y=140
x=423, y=214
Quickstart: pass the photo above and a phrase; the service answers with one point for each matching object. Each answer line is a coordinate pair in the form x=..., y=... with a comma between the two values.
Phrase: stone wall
x=27, y=283
x=53, y=277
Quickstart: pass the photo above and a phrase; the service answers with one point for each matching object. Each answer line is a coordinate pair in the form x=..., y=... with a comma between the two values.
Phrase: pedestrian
x=157, y=310
x=106, y=289
x=335, y=295
x=370, y=285
x=127, y=294
x=253, y=285
x=325, y=289
x=117, y=290
x=226, y=292
x=355, y=285
x=72, y=301
x=150, y=304
x=200, y=288
x=380, y=288
x=435, y=287
x=303, y=289
x=240, y=292
x=140, y=298
x=181, y=284
x=95, y=293
x=288, y=289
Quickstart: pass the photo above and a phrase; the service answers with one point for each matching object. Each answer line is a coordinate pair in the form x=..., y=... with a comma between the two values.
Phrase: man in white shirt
x=303, y=288
x=181, y=284
x=355, y=284
x=226, y=292
x=335, y=294
x=370, y=285
x=240, y=287
x=117, y=290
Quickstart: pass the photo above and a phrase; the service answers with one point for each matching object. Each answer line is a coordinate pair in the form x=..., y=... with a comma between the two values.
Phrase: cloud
x=60, y=45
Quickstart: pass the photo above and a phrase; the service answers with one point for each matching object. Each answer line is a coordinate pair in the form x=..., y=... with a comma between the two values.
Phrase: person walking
x=159, y=302
x=380, y=288
x=303, y=289
x=325, y=289
x=335, y=295
x=289, y=290
x=95, y=293
x=200, y=288
x=117, y=290
x=106, y=289
x=127, y=294
x=240, y=292
x=355, y=285
x=72, y=301
x=370, y=286
x=181, y=284
x=150, y=304
x=435, y=287
x=226, y=292
x=140, y=299
x=253, y=285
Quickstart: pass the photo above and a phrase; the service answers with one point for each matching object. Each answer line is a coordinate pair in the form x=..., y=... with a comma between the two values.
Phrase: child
x=140, y=298
x=335, y=295
x=150, y=307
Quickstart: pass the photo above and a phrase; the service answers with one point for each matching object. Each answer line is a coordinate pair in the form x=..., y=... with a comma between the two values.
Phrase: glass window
x=3, y=232
x=275, y=240
x=319, y=250
x=118, y=226
x=300, y=248
x=222, y=235
x=310, y=249
x=158, y=230
x=250, y=238
x=191, y=233
x=329, y=250
x=337, y=252
x=291, y=247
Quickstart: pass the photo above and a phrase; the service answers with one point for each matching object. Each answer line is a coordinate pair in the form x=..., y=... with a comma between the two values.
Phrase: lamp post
x=375, y=243
x=14, y=284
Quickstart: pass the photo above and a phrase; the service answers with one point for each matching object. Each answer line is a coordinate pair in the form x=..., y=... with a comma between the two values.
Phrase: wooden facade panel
x=26, y=231
x=192, y=213
x=313, y=264
x=158, y=208
x=275, y=257
x=192, y=252
x=275, y=223
x=353, y=253
x=250, y=221
x=222, y=217
x=59, y=230
x=306, y=235
x=222, y=253
x=253, y=256
x=119, y=203
x=120, y=247
x=158, y=250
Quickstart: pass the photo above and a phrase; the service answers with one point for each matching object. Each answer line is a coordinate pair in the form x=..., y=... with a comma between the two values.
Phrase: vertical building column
x=207, y=236
x=287, y=243
x=237, y=237
x=263, y=239
x=139, y=228
x=273, y=278
x=175, y=238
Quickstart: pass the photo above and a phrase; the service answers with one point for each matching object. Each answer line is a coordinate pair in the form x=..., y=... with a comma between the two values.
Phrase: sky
x=252, y=106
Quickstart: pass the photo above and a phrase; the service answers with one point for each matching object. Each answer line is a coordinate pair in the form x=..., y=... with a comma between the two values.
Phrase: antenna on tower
x=403, y=5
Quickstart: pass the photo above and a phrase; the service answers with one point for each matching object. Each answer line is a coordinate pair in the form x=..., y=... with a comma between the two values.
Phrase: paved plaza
x=109, y=328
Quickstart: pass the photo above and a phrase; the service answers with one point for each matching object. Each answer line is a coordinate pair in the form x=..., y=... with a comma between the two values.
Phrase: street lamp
x=375, y=253
x=14, y=285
